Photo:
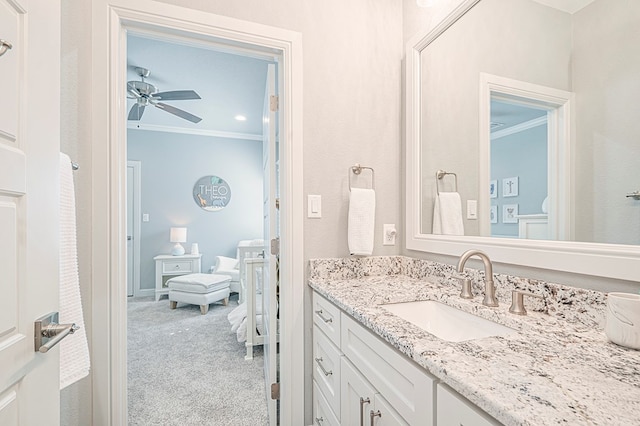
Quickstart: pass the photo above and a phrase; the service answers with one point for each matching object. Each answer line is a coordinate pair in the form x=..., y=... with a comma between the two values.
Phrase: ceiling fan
x=147, y=94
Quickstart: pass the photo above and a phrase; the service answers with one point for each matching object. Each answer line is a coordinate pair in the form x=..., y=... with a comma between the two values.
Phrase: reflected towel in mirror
x=447, y=214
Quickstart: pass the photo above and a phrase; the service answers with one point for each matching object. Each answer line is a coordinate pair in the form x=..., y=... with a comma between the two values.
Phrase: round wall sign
x=211, y=193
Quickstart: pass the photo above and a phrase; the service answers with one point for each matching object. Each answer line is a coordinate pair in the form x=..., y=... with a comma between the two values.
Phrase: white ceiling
x=505, y=115
x=229, y=84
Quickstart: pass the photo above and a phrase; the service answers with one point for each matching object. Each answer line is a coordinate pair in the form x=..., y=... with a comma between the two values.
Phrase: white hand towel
x=447, y=214
x=74, y=351
x=362, y=215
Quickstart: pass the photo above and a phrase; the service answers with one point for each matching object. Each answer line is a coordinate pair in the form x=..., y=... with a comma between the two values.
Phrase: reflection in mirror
x=588, y=51
x=518, y=171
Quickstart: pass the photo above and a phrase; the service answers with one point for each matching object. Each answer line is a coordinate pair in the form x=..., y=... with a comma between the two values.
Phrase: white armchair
x=230, y=267
x=235, y=268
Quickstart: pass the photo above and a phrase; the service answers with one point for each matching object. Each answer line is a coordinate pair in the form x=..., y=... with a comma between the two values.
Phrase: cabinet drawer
x=326, y=316
x=322, y=413
x=455, y=410
x=407, y=387
x=326, y=368
x=178, y=266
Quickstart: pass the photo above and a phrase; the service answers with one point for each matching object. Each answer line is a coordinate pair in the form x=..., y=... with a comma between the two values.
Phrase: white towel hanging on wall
x=74, y=350
x=361, y=223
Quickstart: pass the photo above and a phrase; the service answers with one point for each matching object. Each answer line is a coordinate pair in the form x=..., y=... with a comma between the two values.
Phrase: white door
x=29, y=159
x=270, y=275
x=130, y=257
x=133, y=228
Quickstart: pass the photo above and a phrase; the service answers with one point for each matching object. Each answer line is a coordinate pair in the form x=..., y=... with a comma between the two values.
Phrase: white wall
x=522, y=154
x=171, y=163
x=607, y=147
x=75, y=400
x=351, y=112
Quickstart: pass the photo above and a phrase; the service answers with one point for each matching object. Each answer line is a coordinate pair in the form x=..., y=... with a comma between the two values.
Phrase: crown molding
x=199, y=132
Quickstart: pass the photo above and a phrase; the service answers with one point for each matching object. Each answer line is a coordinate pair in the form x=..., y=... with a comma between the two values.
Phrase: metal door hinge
x=275, y=246
x=274, y=103
x=275, y=390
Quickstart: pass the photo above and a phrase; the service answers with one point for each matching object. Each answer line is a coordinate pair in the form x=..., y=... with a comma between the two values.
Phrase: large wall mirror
x=523, y=135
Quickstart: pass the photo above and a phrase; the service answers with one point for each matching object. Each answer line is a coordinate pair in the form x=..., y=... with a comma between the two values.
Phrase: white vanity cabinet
x=350, y=362
x=454, y=410
x=359, y=379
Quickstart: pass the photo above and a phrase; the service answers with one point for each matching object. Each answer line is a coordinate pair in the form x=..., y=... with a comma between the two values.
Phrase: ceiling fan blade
x=136, y=111
x=176, y=95
x=180, y=113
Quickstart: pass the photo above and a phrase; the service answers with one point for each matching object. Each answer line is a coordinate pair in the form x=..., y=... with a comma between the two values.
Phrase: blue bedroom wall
x=171, y=165
x=522, y=155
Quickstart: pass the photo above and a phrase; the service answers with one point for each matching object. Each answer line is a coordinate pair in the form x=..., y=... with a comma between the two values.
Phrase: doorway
x=201, y=121
x=112, y=18
x=545, y=110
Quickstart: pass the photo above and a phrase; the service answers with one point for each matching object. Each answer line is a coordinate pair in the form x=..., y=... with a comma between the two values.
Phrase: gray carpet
x=189, y=369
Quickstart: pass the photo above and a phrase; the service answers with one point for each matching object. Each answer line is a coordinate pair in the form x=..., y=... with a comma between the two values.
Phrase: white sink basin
x=445, y=322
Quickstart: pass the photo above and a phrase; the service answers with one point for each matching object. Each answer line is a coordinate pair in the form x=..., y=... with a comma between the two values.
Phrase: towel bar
x=357, y=169
x=441, y=174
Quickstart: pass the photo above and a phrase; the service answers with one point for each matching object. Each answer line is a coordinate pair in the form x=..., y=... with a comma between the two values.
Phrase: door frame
x=136, y=228
x=558, y=104
x=110, y=21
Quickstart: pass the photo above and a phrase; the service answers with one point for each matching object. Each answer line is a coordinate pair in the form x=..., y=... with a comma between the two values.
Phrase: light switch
x=472, y=209
x=145, y=217
x=314, y=206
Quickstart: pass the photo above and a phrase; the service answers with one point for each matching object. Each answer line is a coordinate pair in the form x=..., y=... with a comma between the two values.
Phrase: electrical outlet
x=389, y=234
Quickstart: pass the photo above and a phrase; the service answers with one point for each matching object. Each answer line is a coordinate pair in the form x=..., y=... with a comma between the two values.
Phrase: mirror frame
x=615, y=261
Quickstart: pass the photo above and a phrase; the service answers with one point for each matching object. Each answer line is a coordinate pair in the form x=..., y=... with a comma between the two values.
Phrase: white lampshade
x=178, y=235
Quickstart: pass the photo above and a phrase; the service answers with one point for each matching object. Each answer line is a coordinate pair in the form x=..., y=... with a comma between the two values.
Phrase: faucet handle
x=466, y=292
x=517, y=301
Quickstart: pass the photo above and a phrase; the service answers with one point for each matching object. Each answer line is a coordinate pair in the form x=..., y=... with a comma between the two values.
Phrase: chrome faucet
x=489, y=288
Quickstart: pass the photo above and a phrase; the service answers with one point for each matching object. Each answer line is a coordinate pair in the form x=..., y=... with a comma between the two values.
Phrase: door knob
x=4, y=46
x=48, y=332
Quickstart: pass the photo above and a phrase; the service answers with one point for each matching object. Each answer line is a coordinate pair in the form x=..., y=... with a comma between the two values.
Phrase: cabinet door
x=406, y=386
x=454, y=410
x=353, y=387
x=385, y=415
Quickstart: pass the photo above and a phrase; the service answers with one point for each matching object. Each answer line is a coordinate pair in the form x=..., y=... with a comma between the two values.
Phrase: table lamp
x=178, y=235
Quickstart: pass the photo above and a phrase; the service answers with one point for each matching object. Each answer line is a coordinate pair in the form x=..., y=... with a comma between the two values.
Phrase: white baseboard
x=144, y=292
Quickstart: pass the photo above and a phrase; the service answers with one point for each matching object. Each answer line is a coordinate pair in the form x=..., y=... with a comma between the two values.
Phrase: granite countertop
x=552, y=371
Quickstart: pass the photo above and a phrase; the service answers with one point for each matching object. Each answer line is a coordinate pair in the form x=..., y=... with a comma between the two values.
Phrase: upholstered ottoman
x=199, y=289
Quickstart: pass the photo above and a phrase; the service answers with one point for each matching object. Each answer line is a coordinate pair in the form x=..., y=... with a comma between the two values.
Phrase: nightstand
x=168, y=266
